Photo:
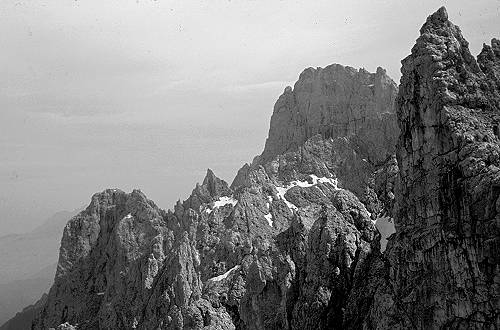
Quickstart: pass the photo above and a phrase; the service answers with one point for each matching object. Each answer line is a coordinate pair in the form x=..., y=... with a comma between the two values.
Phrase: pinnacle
x=437, y=20
x=441, y=15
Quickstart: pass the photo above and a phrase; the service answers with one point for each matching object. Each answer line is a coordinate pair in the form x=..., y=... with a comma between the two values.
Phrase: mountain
x=441, y=267
x=28, y=264
x=252, y=254
x=292, y=243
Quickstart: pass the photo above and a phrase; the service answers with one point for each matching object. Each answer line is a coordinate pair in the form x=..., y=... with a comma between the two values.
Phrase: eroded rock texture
x=279, y=249
x=443, y=261
x=335, y=101
x=260, y=258
x=345, y=119
x=292, y=243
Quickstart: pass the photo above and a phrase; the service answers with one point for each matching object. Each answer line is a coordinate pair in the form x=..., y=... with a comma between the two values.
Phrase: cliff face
x=335, y=101
x=292, y=243
x=448, y=220
x=110, y=252
x=443, y=261
x=352, y=112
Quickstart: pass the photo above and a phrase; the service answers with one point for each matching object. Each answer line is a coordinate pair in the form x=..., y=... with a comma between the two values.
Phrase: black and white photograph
x=249, y=165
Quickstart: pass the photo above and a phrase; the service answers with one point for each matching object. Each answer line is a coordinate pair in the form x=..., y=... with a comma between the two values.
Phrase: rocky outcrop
x=443, y=262
x=110, y=254
x=254, y=258
x=335, y=101
x=337, y=121
x=352, y=112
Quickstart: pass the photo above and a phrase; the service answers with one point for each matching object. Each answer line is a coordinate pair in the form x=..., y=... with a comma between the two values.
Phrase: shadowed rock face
x=292, y=243
x=110, y=252
x=446, y=252
x=443, y=261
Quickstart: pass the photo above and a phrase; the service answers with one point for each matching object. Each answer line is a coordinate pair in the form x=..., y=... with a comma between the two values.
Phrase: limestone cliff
x=335, y=101
x=442, y=265
x=346, y=119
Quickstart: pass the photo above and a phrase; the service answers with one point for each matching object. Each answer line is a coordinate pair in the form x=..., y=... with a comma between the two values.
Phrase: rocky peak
x=437, y=20
x=444, y=103
x=211, y=189
x=332, y=101
x=215, y=186
x=489, y=62
x=102, y=252
x=449, y=160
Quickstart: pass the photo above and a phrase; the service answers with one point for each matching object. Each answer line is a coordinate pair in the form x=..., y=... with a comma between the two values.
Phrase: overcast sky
x=148, y=94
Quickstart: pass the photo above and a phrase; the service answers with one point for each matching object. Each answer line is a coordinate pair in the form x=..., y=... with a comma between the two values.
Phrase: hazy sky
x=148, y=94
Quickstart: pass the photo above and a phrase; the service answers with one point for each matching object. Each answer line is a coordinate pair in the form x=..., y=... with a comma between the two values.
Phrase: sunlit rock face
x=335, y=101
x=254, y=258
x=354, y=111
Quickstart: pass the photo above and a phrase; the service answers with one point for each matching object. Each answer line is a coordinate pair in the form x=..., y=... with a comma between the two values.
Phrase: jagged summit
x=442, y=263
x=317, y=104
x=227, y=256
x=216, y=187
x=439, y=17
x=489, y=62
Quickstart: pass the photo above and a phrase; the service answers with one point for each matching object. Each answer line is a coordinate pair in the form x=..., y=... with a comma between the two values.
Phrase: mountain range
x=292, y=242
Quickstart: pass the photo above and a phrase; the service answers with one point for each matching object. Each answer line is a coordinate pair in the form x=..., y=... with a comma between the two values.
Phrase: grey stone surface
x=442, y=264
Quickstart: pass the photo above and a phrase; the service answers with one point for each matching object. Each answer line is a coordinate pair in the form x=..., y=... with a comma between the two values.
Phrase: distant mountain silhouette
x=28, y=263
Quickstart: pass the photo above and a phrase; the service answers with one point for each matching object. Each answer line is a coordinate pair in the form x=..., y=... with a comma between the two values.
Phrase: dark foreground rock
x=443, y=262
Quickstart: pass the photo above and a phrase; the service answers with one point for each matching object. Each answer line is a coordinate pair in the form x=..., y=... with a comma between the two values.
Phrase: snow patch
x=331, y=181
x=269, y=219
x=315, y=180
x=281, y=193
x=224, y=200
x=225, y=275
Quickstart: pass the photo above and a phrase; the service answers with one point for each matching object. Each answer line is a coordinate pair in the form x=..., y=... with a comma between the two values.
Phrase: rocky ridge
x=292, y=242
x=258, y=254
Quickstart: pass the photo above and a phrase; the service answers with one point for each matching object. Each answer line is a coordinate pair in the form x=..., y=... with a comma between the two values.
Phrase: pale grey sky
x=148, y=94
